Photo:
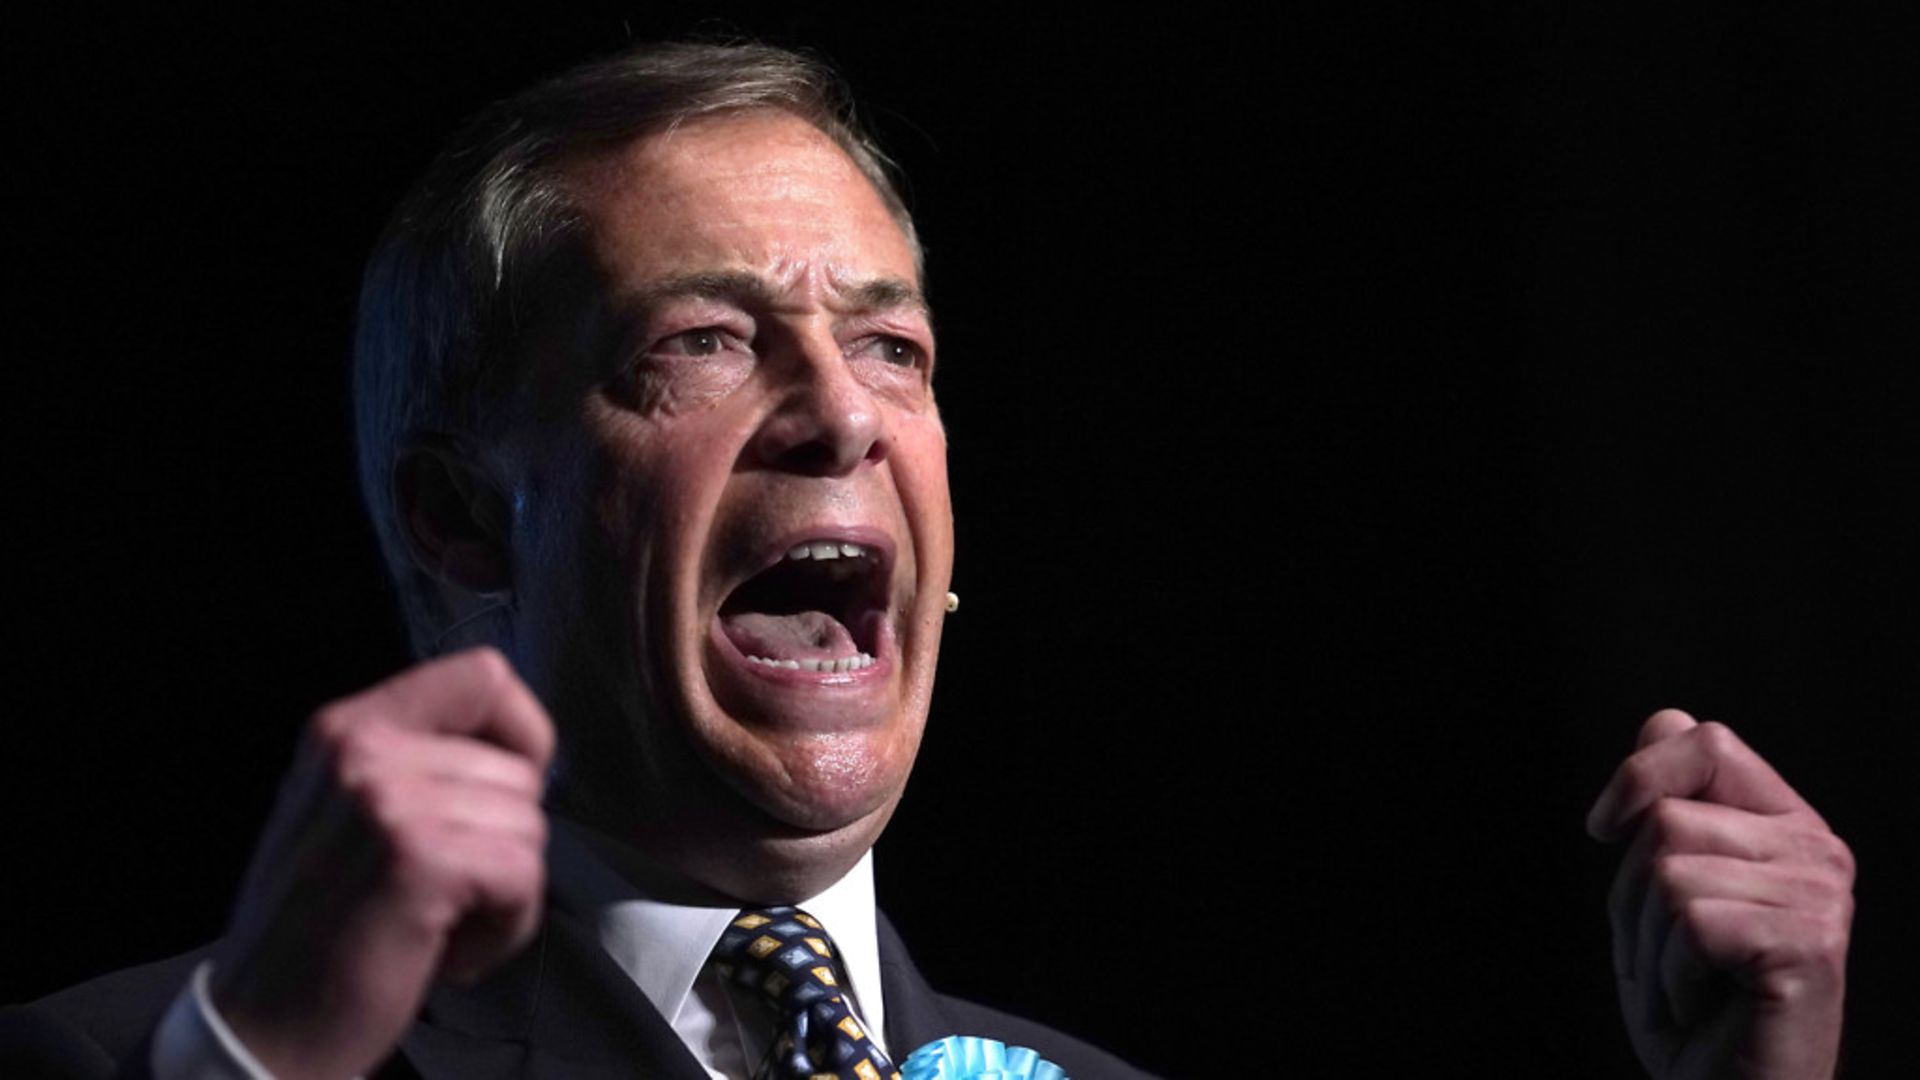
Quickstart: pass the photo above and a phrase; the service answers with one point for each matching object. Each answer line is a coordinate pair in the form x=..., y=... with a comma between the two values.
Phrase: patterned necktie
x=784, y=957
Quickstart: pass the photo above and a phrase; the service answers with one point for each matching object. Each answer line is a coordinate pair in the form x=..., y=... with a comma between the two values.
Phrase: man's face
x=732, y=537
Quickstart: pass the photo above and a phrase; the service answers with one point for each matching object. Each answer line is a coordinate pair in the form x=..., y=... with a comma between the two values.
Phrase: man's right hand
x=407, y=844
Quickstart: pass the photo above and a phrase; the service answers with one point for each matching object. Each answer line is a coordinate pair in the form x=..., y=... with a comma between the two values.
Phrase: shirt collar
x=663, y=945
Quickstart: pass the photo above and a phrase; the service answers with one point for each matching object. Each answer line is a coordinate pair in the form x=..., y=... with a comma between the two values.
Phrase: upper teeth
x=827, y=549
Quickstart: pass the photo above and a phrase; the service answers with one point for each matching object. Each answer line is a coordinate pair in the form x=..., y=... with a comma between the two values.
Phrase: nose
x=827, y=423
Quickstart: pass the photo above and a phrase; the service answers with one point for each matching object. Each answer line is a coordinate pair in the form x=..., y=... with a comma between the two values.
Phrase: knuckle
x=357, y=752
x=1835, y=913
x=528, y=780
x=1669, y=869
x=1826, y=944
x=1717, y=738
x=1812, y=885
x=332, y=723
x=488, y=666
x=1667, y=816
x=544, y=739
x=1825, y=855
x=520, y=776
x=1691, y=913
x=1839, y=858
x=1795, y=987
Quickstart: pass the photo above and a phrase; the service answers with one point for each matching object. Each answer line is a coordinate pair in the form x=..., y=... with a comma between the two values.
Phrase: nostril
x=822, y=434
x=814, y=458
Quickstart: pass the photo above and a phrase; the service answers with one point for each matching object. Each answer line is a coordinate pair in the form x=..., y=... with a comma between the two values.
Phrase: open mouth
x=818, y=608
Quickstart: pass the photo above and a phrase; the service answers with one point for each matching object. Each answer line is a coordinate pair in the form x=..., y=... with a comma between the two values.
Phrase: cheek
x=661, y=481
x=920, y=468
x=904, y=388
x=920, y=433
x=648, y=473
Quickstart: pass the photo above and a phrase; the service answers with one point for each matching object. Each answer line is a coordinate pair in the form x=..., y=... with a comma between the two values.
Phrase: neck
x=720, y=860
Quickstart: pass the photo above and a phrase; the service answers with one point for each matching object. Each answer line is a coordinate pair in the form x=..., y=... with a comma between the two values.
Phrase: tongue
x=802, y=635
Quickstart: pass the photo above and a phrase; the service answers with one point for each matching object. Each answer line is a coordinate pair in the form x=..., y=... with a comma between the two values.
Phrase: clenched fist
x=407, y=844
x=1730, y=912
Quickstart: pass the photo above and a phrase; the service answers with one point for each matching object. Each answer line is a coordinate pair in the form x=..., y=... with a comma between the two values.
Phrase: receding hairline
x=593, y=176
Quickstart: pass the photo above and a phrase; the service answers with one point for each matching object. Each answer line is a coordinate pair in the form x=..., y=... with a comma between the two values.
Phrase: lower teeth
x=845, y=663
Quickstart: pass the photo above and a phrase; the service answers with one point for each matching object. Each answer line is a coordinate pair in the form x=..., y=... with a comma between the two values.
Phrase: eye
x=703, y=341
x=895, y=350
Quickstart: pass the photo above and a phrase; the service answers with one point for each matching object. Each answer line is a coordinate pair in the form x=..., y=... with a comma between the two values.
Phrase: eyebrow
x=875, y=294
x=881, y=294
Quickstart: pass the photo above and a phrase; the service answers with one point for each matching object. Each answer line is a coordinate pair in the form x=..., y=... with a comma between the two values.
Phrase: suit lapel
x=562, y=1008
x=915, y=1016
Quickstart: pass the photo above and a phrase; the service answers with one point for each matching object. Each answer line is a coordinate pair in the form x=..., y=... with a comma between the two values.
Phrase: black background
x=1361, y=416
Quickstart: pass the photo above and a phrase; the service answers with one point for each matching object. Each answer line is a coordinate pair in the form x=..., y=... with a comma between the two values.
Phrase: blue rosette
x=970, y=1057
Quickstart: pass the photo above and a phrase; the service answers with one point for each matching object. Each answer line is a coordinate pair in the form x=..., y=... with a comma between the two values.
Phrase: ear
x=454, y=516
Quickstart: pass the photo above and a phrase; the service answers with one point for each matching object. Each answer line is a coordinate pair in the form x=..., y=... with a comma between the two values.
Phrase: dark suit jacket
x=561, y=1009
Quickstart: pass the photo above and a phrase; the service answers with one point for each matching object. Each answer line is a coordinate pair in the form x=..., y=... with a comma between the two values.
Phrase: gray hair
x=434, y=348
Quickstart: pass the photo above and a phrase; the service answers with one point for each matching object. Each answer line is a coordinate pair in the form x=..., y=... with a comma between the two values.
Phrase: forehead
x=761, y=191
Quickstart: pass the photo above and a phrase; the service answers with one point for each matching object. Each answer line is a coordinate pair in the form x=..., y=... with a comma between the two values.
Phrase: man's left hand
x=1730, y=912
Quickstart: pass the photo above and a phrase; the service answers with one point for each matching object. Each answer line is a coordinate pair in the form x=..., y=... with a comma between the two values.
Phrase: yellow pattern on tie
x=776, y=953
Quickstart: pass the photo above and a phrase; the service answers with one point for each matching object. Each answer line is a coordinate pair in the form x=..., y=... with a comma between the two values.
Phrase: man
x=646, y=415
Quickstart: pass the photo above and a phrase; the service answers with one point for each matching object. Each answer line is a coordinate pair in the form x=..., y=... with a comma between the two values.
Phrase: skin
x=1731, y=911
x=741, y=361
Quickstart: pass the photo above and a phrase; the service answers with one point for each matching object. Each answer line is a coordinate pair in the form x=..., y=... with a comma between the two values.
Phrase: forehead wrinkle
x=753, y=290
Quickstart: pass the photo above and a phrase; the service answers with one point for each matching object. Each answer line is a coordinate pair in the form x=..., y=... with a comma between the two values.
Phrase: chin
x=785, y=840
x=835, y=783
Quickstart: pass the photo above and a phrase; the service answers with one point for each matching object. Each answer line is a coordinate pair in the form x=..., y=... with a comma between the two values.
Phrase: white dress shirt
x=662, y=945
